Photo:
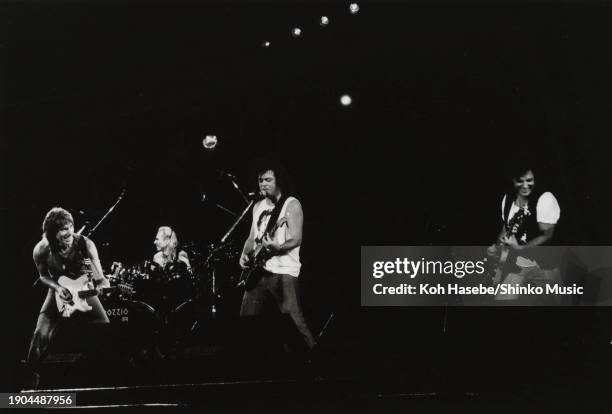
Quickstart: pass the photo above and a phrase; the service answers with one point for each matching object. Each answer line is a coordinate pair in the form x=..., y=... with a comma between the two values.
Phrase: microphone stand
x=110, y=210
x=218, y=248
x=96, y=226
x=237, y=187
x=227, y=210
x=238, y=220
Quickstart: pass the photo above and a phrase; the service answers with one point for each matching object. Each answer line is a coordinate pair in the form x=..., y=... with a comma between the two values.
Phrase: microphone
x=234, y=182
x=223, y=173
x=257, y=196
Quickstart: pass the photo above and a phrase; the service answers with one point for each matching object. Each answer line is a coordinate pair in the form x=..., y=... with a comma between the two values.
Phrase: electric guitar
x=80, y=289
x=498, y=268
x=251, y=274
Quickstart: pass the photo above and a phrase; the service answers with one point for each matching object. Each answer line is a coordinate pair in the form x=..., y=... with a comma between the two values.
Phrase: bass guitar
x=499, y=268
x=251, y=274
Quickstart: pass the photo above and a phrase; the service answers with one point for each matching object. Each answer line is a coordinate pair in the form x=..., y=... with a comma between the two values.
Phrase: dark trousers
x=283, y=289
x=48, y=321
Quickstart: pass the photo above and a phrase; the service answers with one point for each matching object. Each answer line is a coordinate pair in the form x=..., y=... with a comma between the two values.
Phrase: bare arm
x=502, y=234
x=295, y=222
x=247, y=249
x=40, y=254
x=547, y=232
x=157, y=259
x=182, y=257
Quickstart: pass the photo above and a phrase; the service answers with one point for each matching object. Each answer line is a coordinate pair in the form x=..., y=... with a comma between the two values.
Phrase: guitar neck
x=87, y=293
x=94, y=292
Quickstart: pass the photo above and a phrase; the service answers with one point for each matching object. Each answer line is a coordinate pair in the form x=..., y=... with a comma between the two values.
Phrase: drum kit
x=171, y=301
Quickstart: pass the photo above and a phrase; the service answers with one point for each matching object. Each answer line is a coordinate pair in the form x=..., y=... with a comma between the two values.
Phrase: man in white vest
x=272, y=251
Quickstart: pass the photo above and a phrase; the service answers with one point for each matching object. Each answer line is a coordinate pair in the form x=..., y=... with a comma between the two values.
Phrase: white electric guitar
x=80, y=289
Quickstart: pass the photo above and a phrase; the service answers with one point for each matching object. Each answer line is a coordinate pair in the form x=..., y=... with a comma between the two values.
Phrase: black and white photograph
x=308, y=206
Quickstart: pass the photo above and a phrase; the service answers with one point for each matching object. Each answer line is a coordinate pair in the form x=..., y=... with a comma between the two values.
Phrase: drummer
x=169, y=257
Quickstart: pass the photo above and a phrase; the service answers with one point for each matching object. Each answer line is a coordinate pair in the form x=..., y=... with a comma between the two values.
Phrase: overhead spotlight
x=209, y=142
x=296, y=32
x=324, y=21
x=346, y=100
x=354, y=8
x=265, y=44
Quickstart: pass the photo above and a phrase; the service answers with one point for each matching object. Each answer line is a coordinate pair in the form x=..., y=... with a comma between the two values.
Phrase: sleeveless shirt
x=289, y=262
x=72, y=266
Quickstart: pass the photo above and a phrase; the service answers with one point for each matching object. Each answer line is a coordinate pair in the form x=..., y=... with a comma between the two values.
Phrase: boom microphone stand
x=110, y=210
x=219, y=247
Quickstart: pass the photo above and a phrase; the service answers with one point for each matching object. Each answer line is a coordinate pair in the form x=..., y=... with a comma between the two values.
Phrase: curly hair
x=283, y=180
x=55, y=220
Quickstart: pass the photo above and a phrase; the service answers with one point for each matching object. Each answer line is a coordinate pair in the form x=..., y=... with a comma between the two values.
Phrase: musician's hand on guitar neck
x=245, y=261
x=101, y=284
x=511, y=242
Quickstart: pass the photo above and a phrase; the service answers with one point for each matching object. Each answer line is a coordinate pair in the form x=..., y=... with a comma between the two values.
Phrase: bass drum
x=133, y=324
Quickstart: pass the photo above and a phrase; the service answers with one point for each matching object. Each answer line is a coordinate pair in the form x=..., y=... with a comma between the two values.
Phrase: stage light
x=323, y=21
x=209, y=142
x=346, y=100
x=296, y=32
x=265, y=44
x=354, y=8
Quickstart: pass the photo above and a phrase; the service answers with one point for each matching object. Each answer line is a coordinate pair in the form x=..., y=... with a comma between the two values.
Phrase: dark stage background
x=101, y=97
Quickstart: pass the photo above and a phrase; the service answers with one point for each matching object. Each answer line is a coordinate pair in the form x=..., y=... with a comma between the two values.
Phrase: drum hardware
x=227, y=210
x=177, y=297
x=220, y=253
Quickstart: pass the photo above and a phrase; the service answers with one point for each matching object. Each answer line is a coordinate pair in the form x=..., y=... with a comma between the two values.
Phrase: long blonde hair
x=169, y=250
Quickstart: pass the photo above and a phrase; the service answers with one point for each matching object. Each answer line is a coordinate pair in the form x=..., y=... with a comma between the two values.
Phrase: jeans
x=533, y=276
x=284, y=290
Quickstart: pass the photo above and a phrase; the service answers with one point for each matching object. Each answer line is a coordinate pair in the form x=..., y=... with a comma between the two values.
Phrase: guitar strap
x=275, y=213
x=82, y=246
x=271, y=223
x=511, y=260
x=72, y=267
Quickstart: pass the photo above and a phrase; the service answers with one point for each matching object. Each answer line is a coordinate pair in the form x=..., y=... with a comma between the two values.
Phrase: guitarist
x=541, y=213
x=279, y=269
x=61, y=252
